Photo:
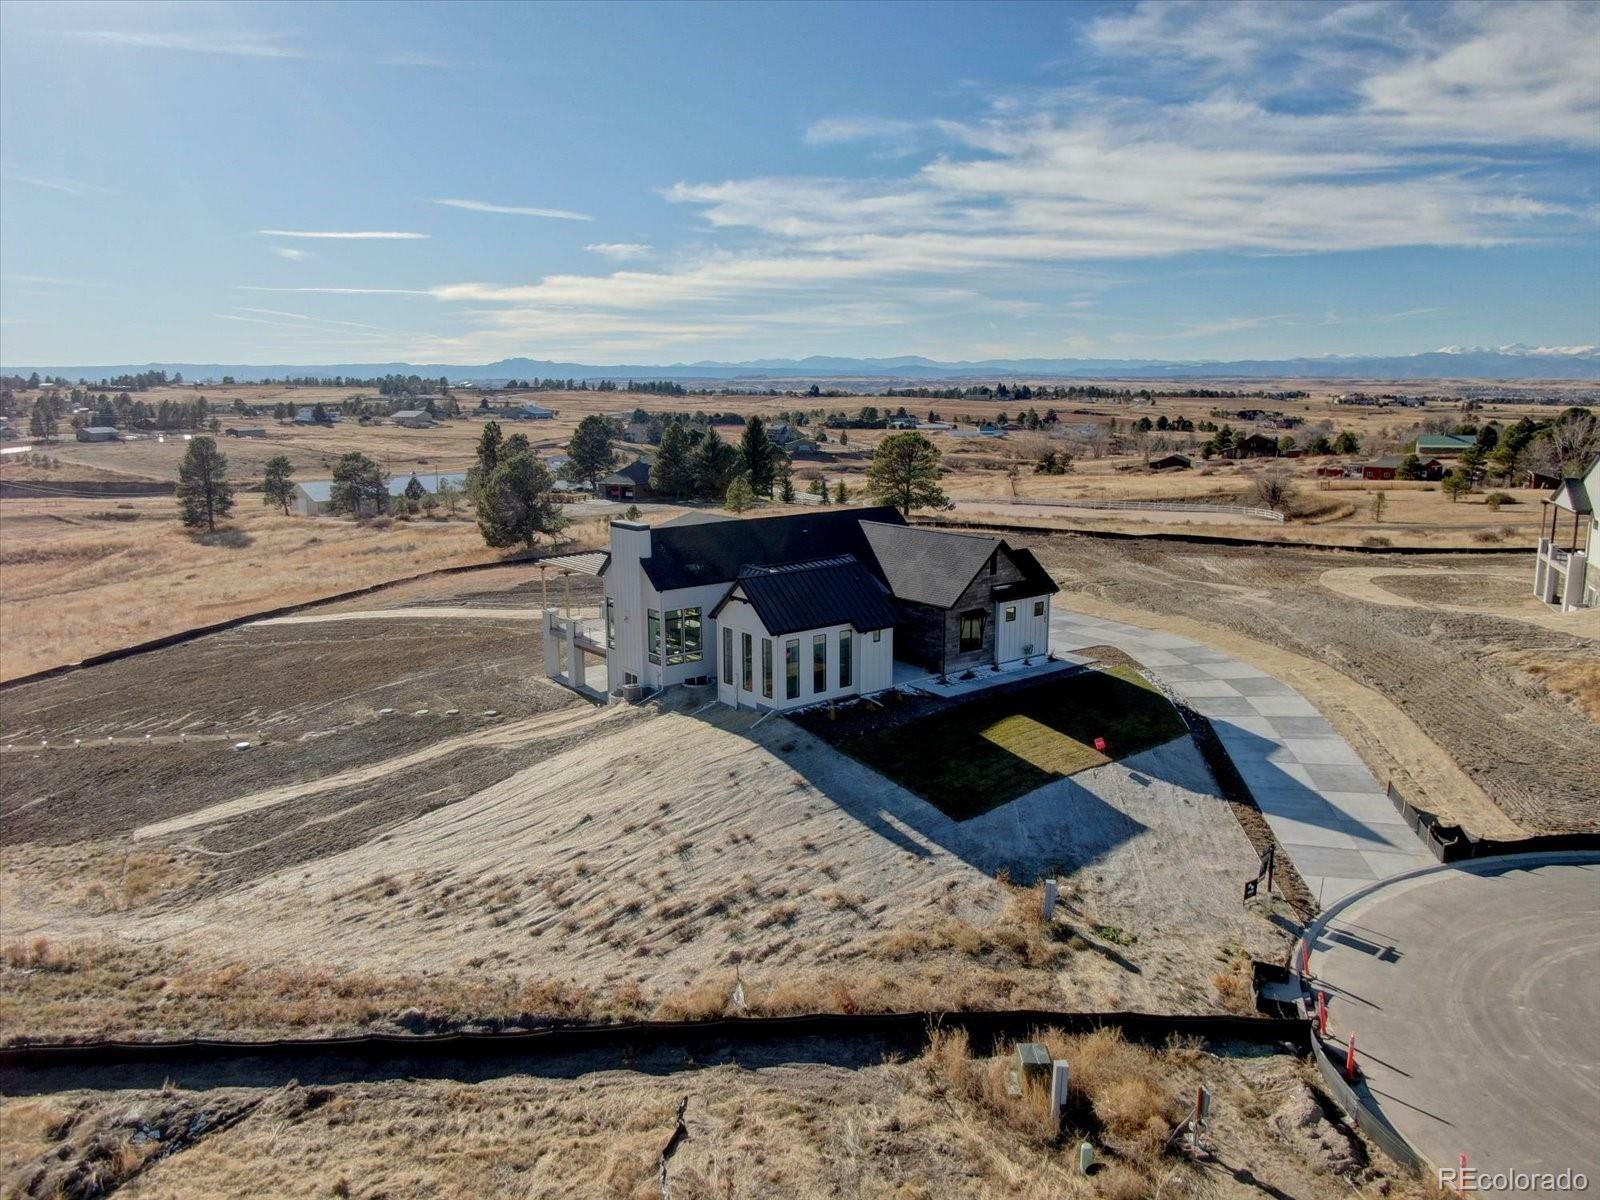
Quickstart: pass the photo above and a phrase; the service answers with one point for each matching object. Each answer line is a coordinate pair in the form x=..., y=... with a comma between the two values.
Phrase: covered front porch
x=574, y=639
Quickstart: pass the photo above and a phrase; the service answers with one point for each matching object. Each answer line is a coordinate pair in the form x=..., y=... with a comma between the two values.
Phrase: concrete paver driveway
x=1331, y=816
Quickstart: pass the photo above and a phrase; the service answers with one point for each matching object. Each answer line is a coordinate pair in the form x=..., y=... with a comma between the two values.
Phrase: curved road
x=1474, y=994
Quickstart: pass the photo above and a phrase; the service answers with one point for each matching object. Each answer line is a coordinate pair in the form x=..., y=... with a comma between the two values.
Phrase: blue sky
x=665, y=182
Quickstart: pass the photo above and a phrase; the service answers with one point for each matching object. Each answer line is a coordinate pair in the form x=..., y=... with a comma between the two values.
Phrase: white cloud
x=1426, y=128
x=245, y=45
x=619, y=251
x=345, y=235
x=292, y=254
x=483, y=206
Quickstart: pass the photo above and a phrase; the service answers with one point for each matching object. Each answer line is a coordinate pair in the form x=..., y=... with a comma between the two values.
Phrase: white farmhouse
x=1565, y=575
x=786, y=611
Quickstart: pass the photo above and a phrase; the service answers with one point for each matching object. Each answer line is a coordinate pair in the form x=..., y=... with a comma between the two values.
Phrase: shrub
x=1495, y=499
x=1376, y=539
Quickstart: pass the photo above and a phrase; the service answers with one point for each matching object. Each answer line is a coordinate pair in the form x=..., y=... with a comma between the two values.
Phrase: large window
x=766, y=667
x=691, y=635
x=727, y=655
x=674, y=637
x=846, y=647
x=748, y=674
x=611, y=625
x=972, y=630
x=683, y=635
x=791, y=669
x=653, y=633
x=819, y=663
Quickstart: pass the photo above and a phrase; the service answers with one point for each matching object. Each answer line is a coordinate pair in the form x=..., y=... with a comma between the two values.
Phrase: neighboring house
x=312, y=496
x=98, y=433
x=636, y=431
x=232, y=431
x=1256, y=445
x=631, y=482
x=1563, y=575
x=1171, y=462
x=788, y=611
x=1389, y=468
x=529, y=412
x=1444, y=445
x=412, y=418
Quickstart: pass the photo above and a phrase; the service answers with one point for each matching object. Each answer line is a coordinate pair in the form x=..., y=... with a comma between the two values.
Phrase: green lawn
x=978, y=755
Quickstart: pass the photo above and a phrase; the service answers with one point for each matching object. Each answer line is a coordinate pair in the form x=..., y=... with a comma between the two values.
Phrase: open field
x=355, y=866
x=86, y=576
x=780, y=1121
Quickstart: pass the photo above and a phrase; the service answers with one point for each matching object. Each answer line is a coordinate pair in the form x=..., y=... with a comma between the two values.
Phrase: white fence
x=1174, y=506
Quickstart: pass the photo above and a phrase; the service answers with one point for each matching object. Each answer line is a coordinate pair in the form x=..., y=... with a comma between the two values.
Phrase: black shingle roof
x=636, y=472
x=934, y=566
x=928, y=566
x=694, y=555
x=815, y=595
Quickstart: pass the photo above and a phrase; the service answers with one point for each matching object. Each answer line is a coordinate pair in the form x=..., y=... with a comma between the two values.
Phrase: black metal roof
x=694, y=555
x=815, y=595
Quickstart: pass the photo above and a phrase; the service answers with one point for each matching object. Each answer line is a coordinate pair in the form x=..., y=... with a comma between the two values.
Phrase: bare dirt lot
x=1482, y=683
x=555, y=858
x=778, y=1121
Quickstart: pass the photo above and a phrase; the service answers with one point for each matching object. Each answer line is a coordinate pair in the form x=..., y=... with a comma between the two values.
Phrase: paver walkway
x=1328, y=812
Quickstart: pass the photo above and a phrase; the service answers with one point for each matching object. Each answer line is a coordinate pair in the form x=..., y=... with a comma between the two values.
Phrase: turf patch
x=976, y=755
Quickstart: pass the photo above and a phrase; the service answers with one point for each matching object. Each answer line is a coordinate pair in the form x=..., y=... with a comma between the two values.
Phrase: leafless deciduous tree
x=1274, y=490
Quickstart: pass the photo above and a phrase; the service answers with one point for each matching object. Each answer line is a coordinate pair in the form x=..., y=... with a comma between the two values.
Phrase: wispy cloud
x=358, y=235
x=339, y=291
x=291, y=253
x=58, y=183
x=238, y=44
x=1425, y=127
x=619, y=251
x=483, y=206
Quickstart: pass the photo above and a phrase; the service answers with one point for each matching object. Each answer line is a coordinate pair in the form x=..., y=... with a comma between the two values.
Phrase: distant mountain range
x=1453, y=362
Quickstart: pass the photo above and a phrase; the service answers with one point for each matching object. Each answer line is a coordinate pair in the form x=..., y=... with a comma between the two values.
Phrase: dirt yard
x=938, y=1125
x=434, y=862
x=1508, y=700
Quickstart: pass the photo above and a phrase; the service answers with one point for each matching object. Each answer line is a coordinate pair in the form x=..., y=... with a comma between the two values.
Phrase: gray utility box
x=1033, y=1064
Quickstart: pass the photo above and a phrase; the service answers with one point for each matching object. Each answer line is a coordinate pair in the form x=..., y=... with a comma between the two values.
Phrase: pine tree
x=589, y=453
x=740, y=495
x=276, y=485
x=714, y=465
x=672, y=475
x=204, y=493
x=905, y=473
x=360, y=486
x=489, y=447
x=757, y=451
x=841, y=494
x=514, y=503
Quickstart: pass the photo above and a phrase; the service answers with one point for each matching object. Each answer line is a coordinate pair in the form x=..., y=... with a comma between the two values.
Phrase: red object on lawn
x=1350, y=1060
x=1100, y=744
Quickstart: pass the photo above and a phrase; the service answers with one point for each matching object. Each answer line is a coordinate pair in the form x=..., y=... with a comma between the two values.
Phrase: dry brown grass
x=75, y=588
